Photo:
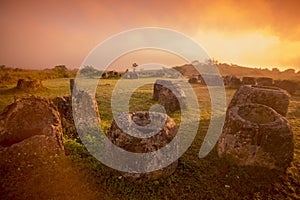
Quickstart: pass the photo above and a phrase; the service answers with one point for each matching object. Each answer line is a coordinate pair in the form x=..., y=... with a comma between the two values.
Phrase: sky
x=43, y=34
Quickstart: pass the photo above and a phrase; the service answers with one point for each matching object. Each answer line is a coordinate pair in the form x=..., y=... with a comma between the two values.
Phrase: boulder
x=288, y=85
x=169, y=95
x=264, y=81
x=164, y=128
x=29, y=85
x=30, y=129
x=72, y=84
x=234, y=83
x=255, y=134
x=85, y=109
x=273, y=97
x=64, y=107
x=226, y=79
x=248, y=80
x=158, y=85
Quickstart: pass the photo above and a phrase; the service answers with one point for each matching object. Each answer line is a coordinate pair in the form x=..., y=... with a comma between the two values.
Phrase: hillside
x=240, y=71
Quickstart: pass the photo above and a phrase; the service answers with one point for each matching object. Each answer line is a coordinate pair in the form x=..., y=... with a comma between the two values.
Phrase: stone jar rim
x=235, y=111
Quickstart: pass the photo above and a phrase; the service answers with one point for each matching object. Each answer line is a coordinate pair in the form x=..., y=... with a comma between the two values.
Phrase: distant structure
x=110, y=74
x=264, y=81
x=248, y=80
x=288, y=85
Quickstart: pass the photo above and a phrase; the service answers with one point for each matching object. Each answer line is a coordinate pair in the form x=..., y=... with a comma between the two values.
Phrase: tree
x=134, y=65
x=89, y=71
x=61, y=70
x=275, y=70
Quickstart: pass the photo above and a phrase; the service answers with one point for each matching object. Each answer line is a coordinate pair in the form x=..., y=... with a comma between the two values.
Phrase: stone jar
x=255, y=134
x=273, y=97
x=163, y=135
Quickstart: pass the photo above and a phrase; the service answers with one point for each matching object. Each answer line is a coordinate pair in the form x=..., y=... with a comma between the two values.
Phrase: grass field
x=82, y=177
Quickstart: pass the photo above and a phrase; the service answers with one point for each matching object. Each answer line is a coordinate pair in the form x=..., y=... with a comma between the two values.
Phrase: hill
x=240, y=71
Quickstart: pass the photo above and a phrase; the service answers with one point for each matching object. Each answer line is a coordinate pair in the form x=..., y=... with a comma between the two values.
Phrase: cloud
x=49, y=32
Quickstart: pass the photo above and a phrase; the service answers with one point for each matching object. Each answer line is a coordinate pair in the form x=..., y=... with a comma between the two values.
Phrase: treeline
x=9, y=75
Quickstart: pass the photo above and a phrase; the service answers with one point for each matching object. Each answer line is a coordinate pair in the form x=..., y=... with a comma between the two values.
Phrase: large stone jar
x=255, y=134
x=273, y=97
x=163, y=136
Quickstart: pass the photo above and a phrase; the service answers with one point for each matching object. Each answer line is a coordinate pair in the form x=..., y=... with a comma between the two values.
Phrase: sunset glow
x=41, y=35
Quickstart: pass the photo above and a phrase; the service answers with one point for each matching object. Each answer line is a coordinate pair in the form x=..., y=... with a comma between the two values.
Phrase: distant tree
x=61, y=70
x=134, y=65
x=276, y=70
x=89, y=71
x=289, y=71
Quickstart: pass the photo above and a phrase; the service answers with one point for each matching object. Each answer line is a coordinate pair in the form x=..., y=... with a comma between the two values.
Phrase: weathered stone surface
x=255, y=134
x=273, y=97
x=163, y=136
x=72, y=84
x=64, y=107
x=248, y=80
x=85, y=110
x=29, y=85
x=27, y=117
x=290, y=86
x=193, y=80
x=29, y=127
x=226, y=79
x=234, y=82
x=264, y=81
x=158, y=85
x=170, y=95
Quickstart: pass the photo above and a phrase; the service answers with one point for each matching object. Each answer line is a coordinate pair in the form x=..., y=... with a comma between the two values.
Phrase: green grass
x=207, y=178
